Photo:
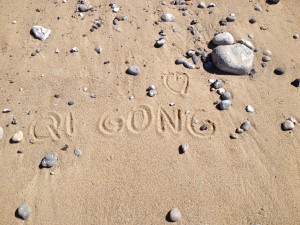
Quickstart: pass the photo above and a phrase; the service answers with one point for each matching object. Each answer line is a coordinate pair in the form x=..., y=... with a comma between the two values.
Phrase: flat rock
x=17, y=137
x=40, y=33
x=49, y=160
x=167, y=17
x=224, y=38
x=23, y=211
x=133, y=70
x=236, y=59
x=175, y=215
x=287, y=125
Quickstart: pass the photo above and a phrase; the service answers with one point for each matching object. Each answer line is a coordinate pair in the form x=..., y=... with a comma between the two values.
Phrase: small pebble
x=220, y=91
x=296, y=36
x=56, y=51
x=184, y=147
x=23, y=211
x=226, y=95
x=175, y=215
x=179, y=61
x=279, y=71
x=160, y=42
x=231, y=18
x=258, y=8
x=211, y=5
x=246, y=125
x=233, y=135
x=6, y=110
x=203, y=127
x=52, y=173
x=85, y=89
x=70, y=102
x=249, y=108
x=167, y=17
x=239, y=130
x=225, y=104
x=288, y=125
x=133, y=70
x=212, y=81
x=75, y=49
x=98, y=50
x=267, y=53
x=14, y=121
x=252, y=20
x=77, y=152
x=17, y=137
x=49, y=160
x=218, y=84
x=151, y=93
x=172, y=104
x=201, y=5
x=20, y=151
x=266, y=58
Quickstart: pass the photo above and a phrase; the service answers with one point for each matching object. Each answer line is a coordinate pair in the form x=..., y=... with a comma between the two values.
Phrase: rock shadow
x=270, y=2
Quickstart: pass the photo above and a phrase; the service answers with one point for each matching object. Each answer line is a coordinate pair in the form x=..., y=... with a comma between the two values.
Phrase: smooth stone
x=211, y=5
x=225, y=104
x=239, y=130
x=293, y=119
x=246, y=125
x=211, y=80
x=184, y=147
x=6, y=110
x=175, y=215
x=236, y=58
x=84, y=8
x=23, y=211
x=179, y=61
x=224, y=38
x=40, y=33
x=17, y=137
x=233, y=136
x=188, y=65
x=151, y=87
x=1, y=133
x=220, y=91
x=279, y=71
x=249, y=108
x=258, y=8
x=296, y=36
x=296, y=82
x=98, y=50
x=266, y=58
x=151, y=93
x=195, y=59
x=77, y=152
x=201, y=5
x=160, y=42
x=231, y=18
x=217, y=84
x=49, y=160
x=70, y=102
x=167, y=17
x=226, y=95
x=133, y=70
x=252, y=20
x=288, y=125
x=267, y=53
x=115, y=21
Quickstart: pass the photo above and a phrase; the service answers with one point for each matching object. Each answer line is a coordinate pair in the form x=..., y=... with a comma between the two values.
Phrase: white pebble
x=174, y=215
x=184, y=147
x=288, y=125
x=249, y=108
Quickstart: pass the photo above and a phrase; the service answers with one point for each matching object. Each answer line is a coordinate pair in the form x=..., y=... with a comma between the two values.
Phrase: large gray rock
x=40, y=33
x=223, y=38
x=235, y=59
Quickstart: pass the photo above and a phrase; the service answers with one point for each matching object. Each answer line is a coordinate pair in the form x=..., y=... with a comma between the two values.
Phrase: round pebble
x=151, y=93
x=246, y=125
x=23, y=211
x=279, y=71
x=160, y=42
x=17, y=137
x=252, y=20
x=267, y=53
x=77, y=152
x=49, y=160
x=70, y=102
x=239, y=130
x=233, y=136
x=167, y=17
x=133, y=70
x=225, y=104
x=288, y=125
x=226, y=95
x=266, y=58
x=175, y=215
x=249, y=108
x=184, y=147
x=296, y=36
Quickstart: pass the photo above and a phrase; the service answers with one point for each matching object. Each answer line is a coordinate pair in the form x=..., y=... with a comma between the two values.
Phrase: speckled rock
x=246, y=125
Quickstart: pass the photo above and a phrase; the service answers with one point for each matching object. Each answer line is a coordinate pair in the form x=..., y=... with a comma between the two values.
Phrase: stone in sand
x=246, y=125
x=236, y=59
x=287, y=125
x=133, y=70
x=226, y=95
x=175, y=215
x=225, y=104
x=17, y=137
x=23, y=211
x=167, y=17
x=49, y=160
x=184, y=147
x=224, y=38
x=1, y=133
x=78, y=152
x=249, y=108
x=40, y=33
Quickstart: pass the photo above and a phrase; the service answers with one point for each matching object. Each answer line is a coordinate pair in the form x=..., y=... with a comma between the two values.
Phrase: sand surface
x=131, y=171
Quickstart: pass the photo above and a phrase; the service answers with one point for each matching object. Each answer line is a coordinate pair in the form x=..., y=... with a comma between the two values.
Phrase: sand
x=130, y=171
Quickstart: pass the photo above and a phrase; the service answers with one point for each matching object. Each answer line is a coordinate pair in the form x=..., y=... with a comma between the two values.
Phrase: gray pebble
x=185, y=13
x=267, y=52
x=75, y=49
x=151, y=93
x=223, y=38
x=231, y=18
x=115, y=21
x=226, y=95
x=296, y=36
x=201, y=5
x=279, y=71
x=273, y=1
x=188, y=65
x=266, y=58
x=98, y=50
x=258, y=8
x=195, y=59
x=252, y=20
x=6, y=110
x=179, y=61
x=133, y=70
x=225, y=104
x=233, y=136
x=184, y=147
x=23, y=211
x=287, y=125
x=70, y=102
x=175, y=215
x=14, y=121
x=40, y=33
x=239, y=130
x=77, y=152
x=49, y=160
x=246, y=125
x=160, y=42
x=249, y=108
x=218, y=84
x=167, y=17
x=223, y=22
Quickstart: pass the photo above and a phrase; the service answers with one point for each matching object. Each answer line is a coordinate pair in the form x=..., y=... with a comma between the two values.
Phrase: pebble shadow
x=168, y=217
x=180, y=150
x=211, y=45
x=17, y=215
x=295, y=83
x=270, y=2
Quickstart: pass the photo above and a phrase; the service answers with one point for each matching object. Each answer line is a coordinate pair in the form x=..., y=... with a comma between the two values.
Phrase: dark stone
x=279, y=71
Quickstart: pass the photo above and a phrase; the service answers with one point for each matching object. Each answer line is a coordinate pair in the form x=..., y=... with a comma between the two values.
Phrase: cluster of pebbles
x=225, y=96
